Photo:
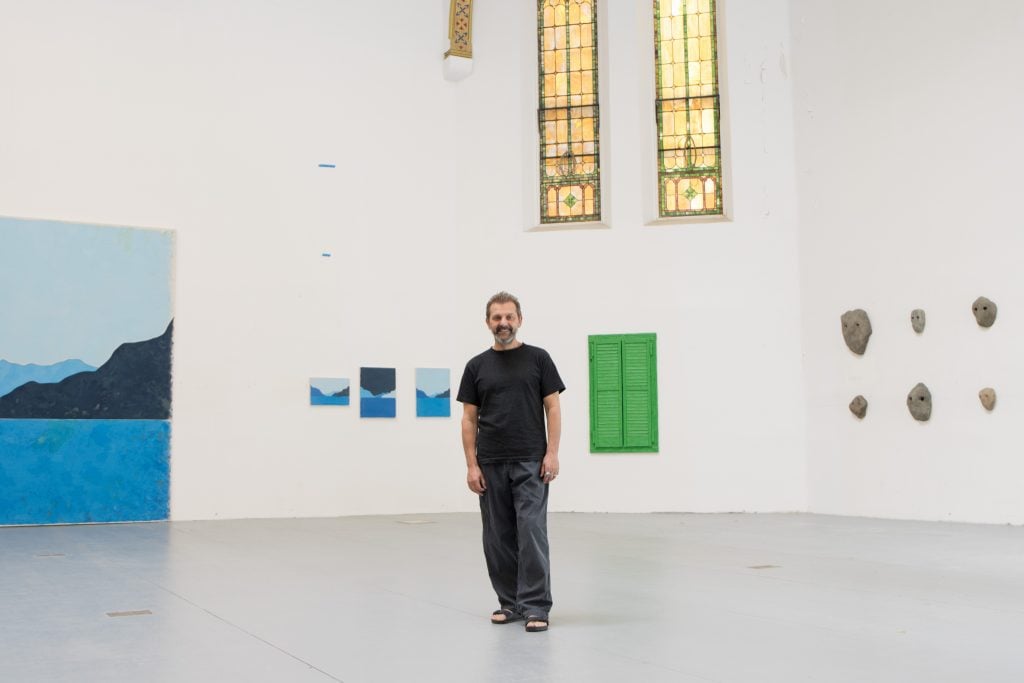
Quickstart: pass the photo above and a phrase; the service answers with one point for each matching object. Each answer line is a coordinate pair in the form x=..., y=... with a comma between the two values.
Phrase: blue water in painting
x=376, y=406
x=65, y=471
x=428, y=406
x=322, y=400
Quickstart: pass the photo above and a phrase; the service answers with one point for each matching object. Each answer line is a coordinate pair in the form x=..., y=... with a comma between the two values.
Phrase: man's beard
x=505, y=342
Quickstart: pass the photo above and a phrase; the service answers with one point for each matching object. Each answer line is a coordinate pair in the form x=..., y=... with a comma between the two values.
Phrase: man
x=506, y=392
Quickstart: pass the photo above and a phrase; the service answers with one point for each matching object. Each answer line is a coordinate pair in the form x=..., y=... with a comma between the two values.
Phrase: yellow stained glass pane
x=679, y=74
x=563, y=132
x=691, y=25
x=679, y=50
x=587, y=60
x=668, y=124
x=707, y=120
x=549, y=132
x=680, y=121
x=586, y=13
x=694, y=72
x=678, y=29
x=706, y=49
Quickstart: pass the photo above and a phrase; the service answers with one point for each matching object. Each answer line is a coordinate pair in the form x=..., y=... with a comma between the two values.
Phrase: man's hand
x=475, y=480
x=553, y=411
x=549, y=467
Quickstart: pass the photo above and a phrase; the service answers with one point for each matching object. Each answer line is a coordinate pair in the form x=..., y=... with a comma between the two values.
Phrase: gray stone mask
x=988, y=398
x=919, y=401
x=856, y=330
x=917, y=320
x=984, y=311
x=859, y=406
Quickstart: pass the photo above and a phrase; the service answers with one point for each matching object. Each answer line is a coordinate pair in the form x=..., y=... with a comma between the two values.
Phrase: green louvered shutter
x=605, y=393
x=623, y=393
x=640, y=425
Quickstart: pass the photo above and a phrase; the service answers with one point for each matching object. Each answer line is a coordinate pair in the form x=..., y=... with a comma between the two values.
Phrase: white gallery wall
x=210, y=118
x=908, y=149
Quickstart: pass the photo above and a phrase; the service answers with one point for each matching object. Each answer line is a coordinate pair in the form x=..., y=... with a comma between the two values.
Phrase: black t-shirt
x=509, y=388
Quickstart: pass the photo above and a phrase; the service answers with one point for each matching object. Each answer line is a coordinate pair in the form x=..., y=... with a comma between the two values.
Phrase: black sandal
x=510, y=616
x=536, y=629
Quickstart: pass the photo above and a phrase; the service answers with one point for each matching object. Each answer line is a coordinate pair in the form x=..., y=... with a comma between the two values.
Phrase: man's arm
x=553, y=410
x=474, y=475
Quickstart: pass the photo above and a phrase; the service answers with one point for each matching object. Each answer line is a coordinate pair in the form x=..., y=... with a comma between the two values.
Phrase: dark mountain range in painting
x=444, y=394
x=135, y=384
x=316, y=392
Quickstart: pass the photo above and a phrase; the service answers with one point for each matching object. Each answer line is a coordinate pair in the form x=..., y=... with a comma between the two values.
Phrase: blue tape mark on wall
x=327, y=166
x=84, y=470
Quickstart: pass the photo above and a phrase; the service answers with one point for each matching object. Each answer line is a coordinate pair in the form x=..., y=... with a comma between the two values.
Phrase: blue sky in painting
x=329, y=385
x=72, y=290
x=432, y=381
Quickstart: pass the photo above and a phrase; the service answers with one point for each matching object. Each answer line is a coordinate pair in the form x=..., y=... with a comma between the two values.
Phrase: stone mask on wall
x=917, y=320
x=919, y=401
x=984, y=311
x=856, y=330
x=988, y=398
x=859, y=406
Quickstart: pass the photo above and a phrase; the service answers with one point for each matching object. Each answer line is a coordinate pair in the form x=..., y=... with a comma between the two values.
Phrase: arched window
x=689, y=146
x=570, y=174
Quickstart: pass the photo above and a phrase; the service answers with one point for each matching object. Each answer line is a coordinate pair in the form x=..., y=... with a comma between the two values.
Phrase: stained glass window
x=570, y=174
x=689, y=147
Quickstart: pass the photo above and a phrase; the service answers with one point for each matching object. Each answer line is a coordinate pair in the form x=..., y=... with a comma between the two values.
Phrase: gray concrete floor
x=670, y=597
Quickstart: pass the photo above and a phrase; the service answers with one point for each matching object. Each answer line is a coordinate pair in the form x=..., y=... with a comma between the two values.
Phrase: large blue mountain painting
x=84, y=440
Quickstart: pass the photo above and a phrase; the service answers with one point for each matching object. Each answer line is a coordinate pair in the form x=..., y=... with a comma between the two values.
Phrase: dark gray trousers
x=514, y=509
